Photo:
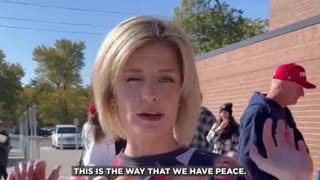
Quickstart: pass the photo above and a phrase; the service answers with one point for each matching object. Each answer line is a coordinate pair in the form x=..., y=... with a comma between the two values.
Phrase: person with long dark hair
x=224, y=134
x=99, y=147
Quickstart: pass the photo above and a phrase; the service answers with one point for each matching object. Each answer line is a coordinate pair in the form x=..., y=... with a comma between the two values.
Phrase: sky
x=18, y=44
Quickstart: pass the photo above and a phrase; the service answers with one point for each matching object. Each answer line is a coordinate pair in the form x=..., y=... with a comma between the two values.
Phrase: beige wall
x=235, y=75
x=285, y=12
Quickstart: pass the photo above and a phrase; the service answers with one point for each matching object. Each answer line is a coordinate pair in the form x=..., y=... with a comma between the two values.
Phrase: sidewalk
x=15, y=156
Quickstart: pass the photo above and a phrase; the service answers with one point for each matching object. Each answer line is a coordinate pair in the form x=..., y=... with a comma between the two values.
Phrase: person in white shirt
x=99, y=148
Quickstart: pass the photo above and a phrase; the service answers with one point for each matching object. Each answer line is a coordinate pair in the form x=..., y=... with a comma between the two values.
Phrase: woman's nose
x=150, y=93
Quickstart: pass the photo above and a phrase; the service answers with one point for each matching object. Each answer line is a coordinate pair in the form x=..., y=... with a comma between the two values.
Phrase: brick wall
x=235, y=75
x=285, y=12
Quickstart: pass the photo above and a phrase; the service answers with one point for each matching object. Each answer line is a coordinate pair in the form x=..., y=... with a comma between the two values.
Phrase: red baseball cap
x=295, y=73
x=92, y=108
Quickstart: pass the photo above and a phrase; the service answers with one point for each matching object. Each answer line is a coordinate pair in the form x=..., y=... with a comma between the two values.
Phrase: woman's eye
x=166, y=79
x=133, y=79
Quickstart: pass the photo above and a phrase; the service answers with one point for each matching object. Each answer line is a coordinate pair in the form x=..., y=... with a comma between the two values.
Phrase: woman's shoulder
x=86, y=126
x=86, y=130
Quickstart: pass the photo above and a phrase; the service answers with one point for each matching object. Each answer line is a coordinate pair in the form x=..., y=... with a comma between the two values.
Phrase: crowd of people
x=147, y=112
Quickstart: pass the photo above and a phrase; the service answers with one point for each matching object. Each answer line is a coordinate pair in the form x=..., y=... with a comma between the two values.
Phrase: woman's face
x=224, y=115
x=148, y=91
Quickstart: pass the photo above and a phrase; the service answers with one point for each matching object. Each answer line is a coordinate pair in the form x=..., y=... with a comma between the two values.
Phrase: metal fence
x=27, y=130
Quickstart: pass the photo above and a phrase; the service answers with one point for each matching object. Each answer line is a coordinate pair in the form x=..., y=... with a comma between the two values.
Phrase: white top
x=3, y=138
x=97, y=154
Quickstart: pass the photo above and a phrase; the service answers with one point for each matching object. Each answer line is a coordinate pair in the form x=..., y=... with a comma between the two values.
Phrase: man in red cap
x=289, y=81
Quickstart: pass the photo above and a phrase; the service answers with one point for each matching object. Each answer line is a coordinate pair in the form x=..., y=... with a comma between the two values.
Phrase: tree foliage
x=212, y=25
x=10, y=88
x=57, y=88
x=60, y=65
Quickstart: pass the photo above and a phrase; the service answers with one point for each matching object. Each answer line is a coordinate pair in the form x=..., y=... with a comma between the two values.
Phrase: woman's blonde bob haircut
x=117, y=47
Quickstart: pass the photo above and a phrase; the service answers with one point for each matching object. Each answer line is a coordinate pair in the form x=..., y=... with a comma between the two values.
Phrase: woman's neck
x=137, y=147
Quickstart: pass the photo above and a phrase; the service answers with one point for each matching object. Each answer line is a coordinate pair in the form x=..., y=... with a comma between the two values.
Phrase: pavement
x=53, y=157
x=16, y=154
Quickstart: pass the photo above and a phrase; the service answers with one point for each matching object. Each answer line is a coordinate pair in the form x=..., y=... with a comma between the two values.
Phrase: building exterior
x=233, y=73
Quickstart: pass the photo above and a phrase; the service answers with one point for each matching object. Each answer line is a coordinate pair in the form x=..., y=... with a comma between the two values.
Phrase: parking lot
x=66, y=157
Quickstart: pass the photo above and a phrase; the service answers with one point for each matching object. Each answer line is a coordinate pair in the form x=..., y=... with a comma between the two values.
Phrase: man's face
x=292, y=92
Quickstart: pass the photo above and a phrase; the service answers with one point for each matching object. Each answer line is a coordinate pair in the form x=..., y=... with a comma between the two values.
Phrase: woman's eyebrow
x=136, y=70
x=169, y=70
x=166, y=70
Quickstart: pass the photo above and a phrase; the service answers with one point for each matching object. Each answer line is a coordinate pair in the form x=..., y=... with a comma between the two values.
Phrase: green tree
x=27, y=97
x=212, y=25
x=10, y=87
x=57, y=74
x=60, y=65
x=51, y=112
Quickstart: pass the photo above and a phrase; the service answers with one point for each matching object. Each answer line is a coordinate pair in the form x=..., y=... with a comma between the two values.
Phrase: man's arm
x=297, y=134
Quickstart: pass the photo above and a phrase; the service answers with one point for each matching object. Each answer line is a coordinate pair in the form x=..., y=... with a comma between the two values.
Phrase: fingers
x=11, y=176
x=267, y=136
x=30, y=172
x=54, y=175
x=39, y=170
x=302, y=147
x=23, y=168
x=255, y=156
x=79, y=178
x=290, y=138
x=100, y=178
x=16, y=172
x=281, y=134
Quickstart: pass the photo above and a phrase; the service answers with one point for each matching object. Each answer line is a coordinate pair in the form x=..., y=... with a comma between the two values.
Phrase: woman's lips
x=151, y=116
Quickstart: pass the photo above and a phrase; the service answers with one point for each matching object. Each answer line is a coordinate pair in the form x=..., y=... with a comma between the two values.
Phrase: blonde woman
x=147, y=91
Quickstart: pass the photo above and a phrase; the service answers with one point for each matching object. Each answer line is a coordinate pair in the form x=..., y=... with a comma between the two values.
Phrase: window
x=66, y=130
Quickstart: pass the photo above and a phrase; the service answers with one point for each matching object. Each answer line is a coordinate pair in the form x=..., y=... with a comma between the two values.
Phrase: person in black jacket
x=4, y=150
x=286, y=88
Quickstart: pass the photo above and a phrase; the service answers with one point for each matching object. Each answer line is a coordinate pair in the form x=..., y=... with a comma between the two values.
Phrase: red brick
x=235, y=75
x=285, y=12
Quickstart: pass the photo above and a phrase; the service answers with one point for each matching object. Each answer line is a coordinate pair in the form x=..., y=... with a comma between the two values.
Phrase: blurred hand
x=283, y=161
x=79, y=178
x=224, y=124
x=30, y=170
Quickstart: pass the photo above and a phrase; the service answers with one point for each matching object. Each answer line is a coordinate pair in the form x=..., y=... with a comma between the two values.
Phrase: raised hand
x=283, y=161
x=33, y=171
x=224, y=124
